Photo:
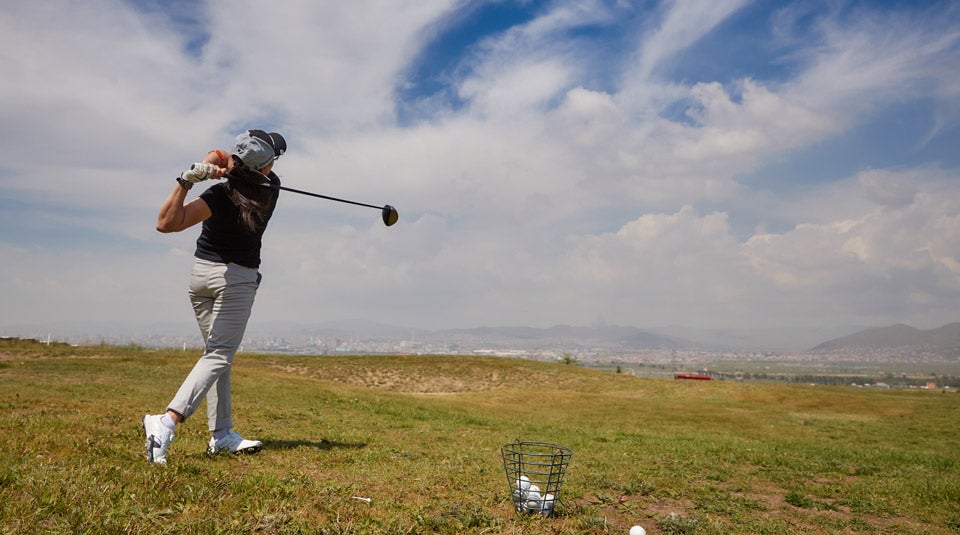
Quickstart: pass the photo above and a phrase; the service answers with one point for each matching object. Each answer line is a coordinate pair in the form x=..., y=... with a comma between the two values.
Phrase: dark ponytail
x=250, y=197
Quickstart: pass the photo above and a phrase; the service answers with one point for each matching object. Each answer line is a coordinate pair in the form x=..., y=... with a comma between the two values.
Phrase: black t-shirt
x=223, y=238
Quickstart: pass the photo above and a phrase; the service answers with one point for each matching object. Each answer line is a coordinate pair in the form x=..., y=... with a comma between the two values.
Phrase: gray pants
x=222, y=297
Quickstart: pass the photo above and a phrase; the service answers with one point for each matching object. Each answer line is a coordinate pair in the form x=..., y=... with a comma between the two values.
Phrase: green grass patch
x=420, y=436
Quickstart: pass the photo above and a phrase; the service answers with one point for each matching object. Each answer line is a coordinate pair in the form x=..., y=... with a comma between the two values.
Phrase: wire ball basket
x=535, y=474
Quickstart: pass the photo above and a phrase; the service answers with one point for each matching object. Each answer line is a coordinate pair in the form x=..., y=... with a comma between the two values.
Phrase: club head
x=390, y=215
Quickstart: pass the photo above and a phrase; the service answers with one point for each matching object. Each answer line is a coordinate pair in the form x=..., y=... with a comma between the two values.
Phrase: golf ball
x=532, y=499
x=523, y=483
x=637, y=530
x=546, y=506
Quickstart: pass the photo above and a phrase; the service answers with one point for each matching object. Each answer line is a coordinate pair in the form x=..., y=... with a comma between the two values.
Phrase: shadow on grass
x=323, y=444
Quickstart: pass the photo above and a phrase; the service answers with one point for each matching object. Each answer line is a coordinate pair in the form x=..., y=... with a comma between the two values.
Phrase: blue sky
x=712, y=164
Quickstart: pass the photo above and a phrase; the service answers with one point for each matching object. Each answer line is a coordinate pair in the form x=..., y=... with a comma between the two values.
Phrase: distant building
x=692, y=376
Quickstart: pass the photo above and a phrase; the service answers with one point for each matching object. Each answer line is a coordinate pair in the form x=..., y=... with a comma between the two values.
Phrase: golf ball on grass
x=637, y=530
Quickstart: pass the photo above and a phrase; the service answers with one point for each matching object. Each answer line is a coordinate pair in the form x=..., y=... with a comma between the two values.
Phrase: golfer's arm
x=175, y=216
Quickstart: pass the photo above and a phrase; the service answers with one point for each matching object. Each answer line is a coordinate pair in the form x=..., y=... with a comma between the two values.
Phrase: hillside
x=945, y=339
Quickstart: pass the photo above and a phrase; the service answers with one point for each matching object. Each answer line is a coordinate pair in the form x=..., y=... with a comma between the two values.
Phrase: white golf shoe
x=234, y=443
x=159, y=438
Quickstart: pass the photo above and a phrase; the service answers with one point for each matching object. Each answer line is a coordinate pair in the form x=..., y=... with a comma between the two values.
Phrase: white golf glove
x=199, y=171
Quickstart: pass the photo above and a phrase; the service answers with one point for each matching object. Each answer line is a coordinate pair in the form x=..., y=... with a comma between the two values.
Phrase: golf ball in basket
x=637, y=530
x=532, y=499
x=546, y=506
x=523, y=483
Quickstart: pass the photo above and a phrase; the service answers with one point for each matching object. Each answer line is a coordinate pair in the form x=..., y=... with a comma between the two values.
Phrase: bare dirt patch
x=418, y=375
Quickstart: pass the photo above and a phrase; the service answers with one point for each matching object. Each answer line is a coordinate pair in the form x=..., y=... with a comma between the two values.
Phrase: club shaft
x=301, y=192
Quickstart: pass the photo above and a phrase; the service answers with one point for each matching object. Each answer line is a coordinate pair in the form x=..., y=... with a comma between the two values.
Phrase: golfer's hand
x=202, y=171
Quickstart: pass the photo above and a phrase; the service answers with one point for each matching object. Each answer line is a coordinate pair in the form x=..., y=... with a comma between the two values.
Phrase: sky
x=714, y=164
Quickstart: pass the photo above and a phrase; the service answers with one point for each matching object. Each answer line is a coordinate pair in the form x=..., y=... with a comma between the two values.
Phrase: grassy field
x=420, y=437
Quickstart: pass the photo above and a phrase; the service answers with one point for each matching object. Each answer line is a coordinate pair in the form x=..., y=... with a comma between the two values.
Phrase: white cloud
x=56, y=287
x=524, y=68
x=870, y=59
x=872, y=264
x=729, y=137
x=887, y=188
x=323, y=67
x=516, y=89
x=684, y=22
x=543, y=200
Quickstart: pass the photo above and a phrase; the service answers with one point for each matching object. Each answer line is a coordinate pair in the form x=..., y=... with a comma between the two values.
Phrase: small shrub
x=638, y=487
x=674, y=524
x=797, y=499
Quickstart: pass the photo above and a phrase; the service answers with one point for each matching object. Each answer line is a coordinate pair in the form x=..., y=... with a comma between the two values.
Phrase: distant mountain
x=757, y=339
x=941, y=339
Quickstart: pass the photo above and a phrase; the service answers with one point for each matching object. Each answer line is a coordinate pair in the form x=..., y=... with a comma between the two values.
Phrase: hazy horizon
x=742, y=339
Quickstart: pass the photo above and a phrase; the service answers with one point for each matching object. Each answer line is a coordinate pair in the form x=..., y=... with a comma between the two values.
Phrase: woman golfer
x=224, y=280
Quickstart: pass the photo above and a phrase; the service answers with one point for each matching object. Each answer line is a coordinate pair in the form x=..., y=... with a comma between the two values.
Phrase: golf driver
x=387, y=212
